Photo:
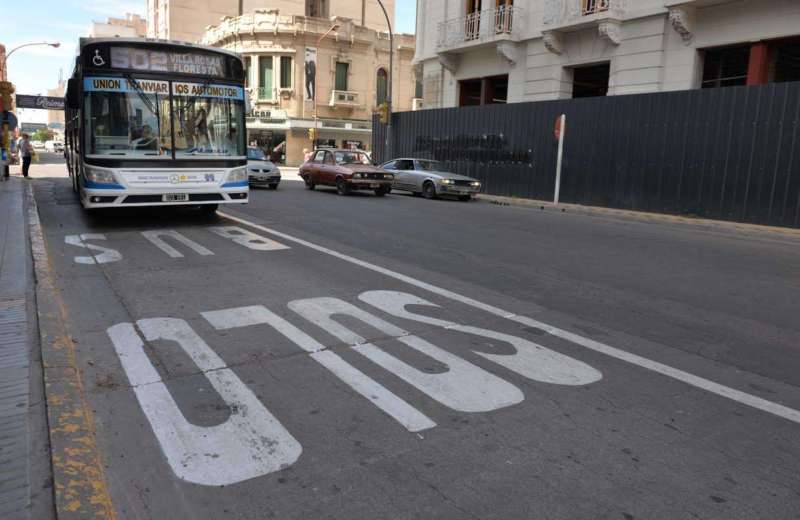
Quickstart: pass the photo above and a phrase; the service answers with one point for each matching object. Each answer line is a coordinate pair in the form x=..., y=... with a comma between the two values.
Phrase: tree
x=42, y=134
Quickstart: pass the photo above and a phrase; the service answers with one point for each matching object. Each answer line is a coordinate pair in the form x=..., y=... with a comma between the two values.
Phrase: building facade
x=131, y=26
x=187, y=20
x=472, y=52
x=55, y=118
x=297, y=80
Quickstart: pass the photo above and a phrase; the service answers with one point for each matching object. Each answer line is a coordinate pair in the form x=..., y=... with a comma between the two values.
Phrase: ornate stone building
x=495, y=51
x=187, y=20
x=349, y=73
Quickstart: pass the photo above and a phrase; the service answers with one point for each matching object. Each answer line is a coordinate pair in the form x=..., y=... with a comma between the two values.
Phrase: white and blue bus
x=156, y=123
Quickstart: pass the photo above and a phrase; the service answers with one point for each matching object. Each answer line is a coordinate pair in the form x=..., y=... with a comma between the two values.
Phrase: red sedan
x=347, y=170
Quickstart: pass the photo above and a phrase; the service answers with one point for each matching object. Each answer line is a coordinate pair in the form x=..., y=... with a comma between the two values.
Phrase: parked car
x=348, y=170
x=430, y=179
x=260, y=170
x=37, y=145
x=54, y=146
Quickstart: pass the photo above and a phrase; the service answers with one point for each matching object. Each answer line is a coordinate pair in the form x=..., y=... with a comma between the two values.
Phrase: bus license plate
x=176, y=197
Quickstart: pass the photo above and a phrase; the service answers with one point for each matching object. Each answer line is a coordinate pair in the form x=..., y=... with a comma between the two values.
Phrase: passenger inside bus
x=148, y=140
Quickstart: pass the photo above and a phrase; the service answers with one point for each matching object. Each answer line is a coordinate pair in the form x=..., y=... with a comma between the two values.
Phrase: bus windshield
x=128, y=124
x=134, y=118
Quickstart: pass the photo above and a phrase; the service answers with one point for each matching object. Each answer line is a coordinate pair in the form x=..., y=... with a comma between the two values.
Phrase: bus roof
x=155, y=41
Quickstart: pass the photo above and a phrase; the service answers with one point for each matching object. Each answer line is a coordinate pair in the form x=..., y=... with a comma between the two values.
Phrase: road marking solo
x=249, y=444
x=596, y=346
x=252, y=442
x=238, y=235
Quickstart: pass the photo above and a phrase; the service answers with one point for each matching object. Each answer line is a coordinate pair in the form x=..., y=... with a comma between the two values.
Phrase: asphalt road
x=357, y=357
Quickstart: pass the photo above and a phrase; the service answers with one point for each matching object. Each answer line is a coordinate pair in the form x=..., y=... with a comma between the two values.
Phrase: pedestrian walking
x=306, y=155
x=26, y=153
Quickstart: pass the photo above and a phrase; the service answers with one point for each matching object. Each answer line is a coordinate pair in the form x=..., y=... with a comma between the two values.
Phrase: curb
x=640, y=216
x=79, y=479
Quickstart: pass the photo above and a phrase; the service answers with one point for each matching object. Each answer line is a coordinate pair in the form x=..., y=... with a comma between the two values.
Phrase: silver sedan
x=260, y=170
x=429, y=179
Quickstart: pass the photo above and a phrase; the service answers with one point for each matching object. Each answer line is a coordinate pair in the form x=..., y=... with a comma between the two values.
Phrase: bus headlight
x=99, y=175
x=237, y=175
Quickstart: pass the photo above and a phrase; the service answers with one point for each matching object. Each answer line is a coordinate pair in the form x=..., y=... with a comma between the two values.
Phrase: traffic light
x=383, y=113
x=312, y=134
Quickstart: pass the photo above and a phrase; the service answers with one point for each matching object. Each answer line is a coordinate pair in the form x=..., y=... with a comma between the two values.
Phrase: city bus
x=156, y=123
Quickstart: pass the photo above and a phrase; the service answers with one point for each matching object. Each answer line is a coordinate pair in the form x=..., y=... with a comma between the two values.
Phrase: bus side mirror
x=247, y=108
x=73, y=99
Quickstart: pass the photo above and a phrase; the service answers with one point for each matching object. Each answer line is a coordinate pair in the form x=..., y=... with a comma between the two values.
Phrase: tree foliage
x=42, y=134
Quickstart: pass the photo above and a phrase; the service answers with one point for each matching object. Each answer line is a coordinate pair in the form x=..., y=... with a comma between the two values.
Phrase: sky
x=33, y=70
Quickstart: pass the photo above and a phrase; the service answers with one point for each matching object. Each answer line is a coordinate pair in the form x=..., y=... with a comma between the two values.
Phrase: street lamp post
x=389, y=140
x=316, y=121
x=4, y=68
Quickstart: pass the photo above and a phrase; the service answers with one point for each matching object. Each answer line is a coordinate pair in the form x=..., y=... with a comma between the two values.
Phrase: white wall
x=650, y=57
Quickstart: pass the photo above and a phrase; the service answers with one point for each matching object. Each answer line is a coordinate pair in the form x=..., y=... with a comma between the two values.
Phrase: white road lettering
x=688, y=378
x=249, y=444
x=408, y=416
x=531, y=360
x=106, y=254
x=156, y=238
x=463, y=387
x=247, y=238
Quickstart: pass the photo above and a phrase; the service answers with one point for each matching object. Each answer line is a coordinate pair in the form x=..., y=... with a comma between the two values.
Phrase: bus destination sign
x=195, y=63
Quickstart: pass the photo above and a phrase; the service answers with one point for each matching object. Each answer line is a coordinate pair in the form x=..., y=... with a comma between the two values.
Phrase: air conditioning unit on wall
x=417, y=104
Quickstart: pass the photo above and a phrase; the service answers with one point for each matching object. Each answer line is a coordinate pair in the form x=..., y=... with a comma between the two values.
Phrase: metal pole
x=319, y=42
x=389, y=140
x=560, y=157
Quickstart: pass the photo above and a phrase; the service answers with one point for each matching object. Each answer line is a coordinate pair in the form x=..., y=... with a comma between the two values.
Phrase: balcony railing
x=344, y=98
x=559, y=13
x=594, y=6
x=481, y=26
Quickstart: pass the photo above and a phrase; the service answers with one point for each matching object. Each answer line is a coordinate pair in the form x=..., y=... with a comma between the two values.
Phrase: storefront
x=284, y=139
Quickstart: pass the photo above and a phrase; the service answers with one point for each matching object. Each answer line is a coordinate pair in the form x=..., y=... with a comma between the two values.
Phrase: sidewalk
x=25, y=490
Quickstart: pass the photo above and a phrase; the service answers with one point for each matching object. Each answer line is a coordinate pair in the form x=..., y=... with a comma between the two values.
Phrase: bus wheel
x=209, y=209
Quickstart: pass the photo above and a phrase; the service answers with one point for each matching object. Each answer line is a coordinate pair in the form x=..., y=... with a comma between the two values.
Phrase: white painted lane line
x=250, y=443
x=530, y=360
x=392, y=405
x=106, y=254
x=155, y=237
x=464, y=386
x=247, y=238
x=622, y=355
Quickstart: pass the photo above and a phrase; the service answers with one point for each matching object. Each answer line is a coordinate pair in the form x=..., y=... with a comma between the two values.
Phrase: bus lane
x=235, y=371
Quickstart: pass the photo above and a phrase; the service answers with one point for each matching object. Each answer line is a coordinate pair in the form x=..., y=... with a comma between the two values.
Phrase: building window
x=317, y=8
x=265, y=77
x=786, y=65
x=726, y=67
x=342, y=71
x=470, y=92
x=483, y=91
x=591, y=81
x=382, y=84
x=286, y=72
x=418, y=89
x=495, y=90
x=247, y=71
